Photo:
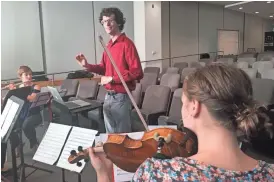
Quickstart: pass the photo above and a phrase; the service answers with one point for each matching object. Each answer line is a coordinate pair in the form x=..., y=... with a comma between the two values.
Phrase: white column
x=148, y=31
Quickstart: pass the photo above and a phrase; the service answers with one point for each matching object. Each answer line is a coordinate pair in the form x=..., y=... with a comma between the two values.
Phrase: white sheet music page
x=5, y=112
x=78, y=137
x=8, y=116
x=52, y=143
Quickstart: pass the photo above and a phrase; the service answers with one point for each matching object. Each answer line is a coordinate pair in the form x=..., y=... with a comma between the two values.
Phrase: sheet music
x=52, y=143
x=121, y=175
x=8, y=116
x=5, y=112
x=78, y=137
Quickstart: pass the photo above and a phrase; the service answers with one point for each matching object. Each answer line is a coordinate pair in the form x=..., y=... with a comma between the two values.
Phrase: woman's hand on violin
x=101, y=164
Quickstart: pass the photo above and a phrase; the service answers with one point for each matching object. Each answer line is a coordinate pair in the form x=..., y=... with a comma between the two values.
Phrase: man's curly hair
x=119, y=16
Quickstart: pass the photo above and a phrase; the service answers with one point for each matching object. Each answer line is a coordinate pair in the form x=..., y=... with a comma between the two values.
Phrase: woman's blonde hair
x=227, y=93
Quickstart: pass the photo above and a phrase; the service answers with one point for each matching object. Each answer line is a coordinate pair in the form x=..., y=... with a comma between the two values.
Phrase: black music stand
x=21, y=93
x=41, y=99
x=9, y=119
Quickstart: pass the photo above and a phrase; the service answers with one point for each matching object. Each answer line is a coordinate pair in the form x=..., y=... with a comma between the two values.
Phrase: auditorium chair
x=174, y=116
x=87, y=89
x=186, y=72
x=194, y=64
x=251, y=72
x=261, y=66
x=155, y=104
x=171, y=80
x=148, y=79
x=180, y=65
x=69, y=86
x=155, y=70
x=250, y=61
x=242, y=65
x=268, y=74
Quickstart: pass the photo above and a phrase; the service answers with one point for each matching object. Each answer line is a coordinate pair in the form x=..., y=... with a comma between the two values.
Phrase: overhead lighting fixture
x=240, y=7
x=256, y=12
x=268, y=2
x=271, y=16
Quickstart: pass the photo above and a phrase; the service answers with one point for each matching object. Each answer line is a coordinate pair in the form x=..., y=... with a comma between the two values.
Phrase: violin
x=128, y=154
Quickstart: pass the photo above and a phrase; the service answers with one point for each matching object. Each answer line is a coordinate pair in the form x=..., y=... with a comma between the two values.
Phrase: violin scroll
x=82, y=154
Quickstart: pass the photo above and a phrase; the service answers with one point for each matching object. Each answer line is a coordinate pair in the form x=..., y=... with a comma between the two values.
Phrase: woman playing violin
x=217, y=103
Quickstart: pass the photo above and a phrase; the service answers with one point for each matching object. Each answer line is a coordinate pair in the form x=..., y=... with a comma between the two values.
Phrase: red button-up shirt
x=127, y=60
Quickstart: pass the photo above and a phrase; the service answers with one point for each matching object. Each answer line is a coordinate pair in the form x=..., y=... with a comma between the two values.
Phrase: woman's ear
x=196, y=108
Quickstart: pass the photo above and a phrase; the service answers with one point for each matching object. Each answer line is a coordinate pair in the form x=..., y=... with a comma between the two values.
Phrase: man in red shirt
x=117, y=105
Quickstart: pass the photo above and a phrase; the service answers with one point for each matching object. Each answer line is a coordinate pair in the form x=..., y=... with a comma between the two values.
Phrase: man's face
x=110, y=25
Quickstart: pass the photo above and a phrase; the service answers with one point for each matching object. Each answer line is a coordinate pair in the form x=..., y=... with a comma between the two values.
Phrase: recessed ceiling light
x=268, y=2
x=256, y=12
x=271, y=16
x=240, y=7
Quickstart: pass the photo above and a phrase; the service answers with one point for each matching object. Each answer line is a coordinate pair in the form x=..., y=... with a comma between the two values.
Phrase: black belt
x=111, y=92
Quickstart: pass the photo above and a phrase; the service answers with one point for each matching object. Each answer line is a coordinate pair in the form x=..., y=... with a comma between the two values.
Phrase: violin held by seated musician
x=217, y=102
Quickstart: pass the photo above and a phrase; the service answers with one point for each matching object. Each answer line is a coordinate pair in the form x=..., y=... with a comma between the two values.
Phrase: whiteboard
x=228, y=41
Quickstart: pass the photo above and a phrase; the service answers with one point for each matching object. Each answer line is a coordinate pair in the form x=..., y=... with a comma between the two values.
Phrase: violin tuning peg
x=79, y=164
x=80, y=149
x=73, y=153
x=168, y=138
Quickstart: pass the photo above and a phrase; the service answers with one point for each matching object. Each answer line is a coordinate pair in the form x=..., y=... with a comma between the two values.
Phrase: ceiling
x=265, y=9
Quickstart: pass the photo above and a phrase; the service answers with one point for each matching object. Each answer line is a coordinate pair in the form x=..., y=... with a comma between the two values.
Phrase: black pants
x=3, y=154
x=29, y=125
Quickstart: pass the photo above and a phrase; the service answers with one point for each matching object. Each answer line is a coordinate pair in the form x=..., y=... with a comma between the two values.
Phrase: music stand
x=41, y=99
x=21, y=93
x=9, y=118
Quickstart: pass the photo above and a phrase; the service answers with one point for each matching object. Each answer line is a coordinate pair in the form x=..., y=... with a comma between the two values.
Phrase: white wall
x=20, y=38
x=126, y=7
x=68, y=30
x=194, y=28
x=184, y=29
x=233, y=20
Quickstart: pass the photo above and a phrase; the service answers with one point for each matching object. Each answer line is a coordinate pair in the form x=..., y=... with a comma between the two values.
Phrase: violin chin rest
x=168, y=138
x=156, y=136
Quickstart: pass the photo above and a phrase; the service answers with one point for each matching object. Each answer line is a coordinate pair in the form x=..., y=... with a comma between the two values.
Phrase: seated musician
x=217, y=102
x=33, y=117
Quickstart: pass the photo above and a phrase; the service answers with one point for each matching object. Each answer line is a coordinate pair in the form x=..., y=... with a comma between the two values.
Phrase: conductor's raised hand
x=81, y=59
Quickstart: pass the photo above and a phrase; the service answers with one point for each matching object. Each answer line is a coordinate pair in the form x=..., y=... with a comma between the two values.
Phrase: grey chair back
x=186, y=72
x=194, y=64
x=268, y=74
x=249, y=60
x=137, y=94
x=148, y=79
x=101, y=94
x=171, y=80
x=242, y=65
x=70, y=85
x=261, y=66
x=251, y=72
x=172, y=70
x=181, y=65
x=156, y=98
x=155, y=70
x=176, y=104
x=263, y=90
x=87, y=89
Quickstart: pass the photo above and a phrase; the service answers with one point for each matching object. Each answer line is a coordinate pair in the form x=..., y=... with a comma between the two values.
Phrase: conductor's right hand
x=81, y=59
